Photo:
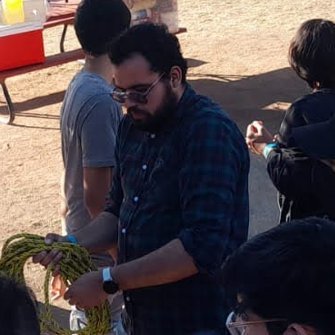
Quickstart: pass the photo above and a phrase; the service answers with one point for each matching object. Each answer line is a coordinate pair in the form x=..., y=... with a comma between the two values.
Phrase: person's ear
x=176, y=76
x=298, y=329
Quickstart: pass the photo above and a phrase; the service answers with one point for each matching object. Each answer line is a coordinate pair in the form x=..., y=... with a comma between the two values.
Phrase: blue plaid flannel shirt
x=189, y=181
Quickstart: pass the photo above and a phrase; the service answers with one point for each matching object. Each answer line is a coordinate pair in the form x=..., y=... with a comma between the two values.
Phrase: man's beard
x=154, y=123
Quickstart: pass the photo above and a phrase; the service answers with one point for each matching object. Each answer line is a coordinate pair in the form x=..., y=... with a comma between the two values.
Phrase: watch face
x=110, y=287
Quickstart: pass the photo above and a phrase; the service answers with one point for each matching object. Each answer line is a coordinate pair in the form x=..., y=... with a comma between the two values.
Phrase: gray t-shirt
x=89, y=123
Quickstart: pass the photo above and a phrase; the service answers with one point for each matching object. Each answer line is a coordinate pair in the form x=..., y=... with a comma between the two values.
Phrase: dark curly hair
x=312, y=53
x=98, y=22
x=288, y=273
x=17, y=310
x=160, y=48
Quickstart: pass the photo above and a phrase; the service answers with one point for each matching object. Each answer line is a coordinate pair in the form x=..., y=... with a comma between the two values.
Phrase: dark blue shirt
x=188, y=181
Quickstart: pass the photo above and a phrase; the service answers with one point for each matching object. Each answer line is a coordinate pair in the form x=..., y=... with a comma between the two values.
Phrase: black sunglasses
x=138, y=97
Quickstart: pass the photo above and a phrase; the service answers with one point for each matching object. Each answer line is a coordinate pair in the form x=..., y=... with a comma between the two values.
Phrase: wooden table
x=60, y=13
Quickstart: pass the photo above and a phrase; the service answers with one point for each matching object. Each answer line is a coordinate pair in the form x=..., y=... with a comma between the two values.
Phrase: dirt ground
x=237, y=51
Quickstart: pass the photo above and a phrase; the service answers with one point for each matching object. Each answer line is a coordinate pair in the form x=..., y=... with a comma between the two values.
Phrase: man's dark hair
x=287, y=272
x=153, y=42
x=98, y=22
x=17, y=311
x=312, y=53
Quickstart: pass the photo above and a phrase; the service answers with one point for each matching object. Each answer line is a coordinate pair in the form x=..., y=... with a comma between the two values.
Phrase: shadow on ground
x=245, y=98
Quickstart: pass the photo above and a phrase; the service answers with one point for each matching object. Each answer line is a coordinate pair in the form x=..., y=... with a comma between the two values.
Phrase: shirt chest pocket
x=131, y=173
x=162, y=178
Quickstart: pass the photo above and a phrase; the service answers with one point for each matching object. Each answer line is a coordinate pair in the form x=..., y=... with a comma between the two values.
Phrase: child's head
x=312, y=53
x=17, y=310
x=98, y=22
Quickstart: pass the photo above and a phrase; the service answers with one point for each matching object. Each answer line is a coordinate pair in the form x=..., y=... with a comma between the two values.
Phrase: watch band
x=106, y=274
x=72, y=239
x=268, y=148
x=108, y=283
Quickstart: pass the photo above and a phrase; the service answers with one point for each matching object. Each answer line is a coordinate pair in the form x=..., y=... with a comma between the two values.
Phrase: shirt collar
x=186, y=101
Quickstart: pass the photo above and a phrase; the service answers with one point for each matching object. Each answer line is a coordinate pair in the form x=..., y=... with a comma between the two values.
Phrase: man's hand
x=54, y=256
x=257, y=137
x=87, y=291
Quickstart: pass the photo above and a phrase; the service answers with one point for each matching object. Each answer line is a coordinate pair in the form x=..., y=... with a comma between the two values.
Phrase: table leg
x=7, y=119
x=62, y=39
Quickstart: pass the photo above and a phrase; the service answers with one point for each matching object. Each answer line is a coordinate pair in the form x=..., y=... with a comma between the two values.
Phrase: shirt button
x=123, y=231
x=127, y=298
x=152, y=135
x=136, y=199
x=144, y=167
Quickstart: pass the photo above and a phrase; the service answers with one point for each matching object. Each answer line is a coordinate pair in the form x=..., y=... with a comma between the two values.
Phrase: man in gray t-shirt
x=89, y=123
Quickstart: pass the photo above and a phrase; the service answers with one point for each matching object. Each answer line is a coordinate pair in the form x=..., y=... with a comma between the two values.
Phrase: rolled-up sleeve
x=208, y=181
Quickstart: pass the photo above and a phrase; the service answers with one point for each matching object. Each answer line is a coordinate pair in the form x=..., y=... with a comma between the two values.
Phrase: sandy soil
x=237, y=52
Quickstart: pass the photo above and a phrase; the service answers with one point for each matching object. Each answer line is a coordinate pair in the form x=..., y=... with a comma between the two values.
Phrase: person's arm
x=291, y=171
x=168, y=264
x=98, y=138
x=99, y=235
x=298, y=176
x=63, y=204
x=165, y=265
x=258, y=137
x=97, y=183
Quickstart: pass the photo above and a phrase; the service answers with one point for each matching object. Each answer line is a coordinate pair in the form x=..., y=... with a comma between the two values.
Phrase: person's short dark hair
x=153, y=42
x=287, y=272
x=17, y=311
x=312, y=53
x=98, y=22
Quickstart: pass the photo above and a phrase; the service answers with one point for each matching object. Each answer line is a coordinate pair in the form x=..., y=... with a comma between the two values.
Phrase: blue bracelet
x=72, y=239
x=269, y=147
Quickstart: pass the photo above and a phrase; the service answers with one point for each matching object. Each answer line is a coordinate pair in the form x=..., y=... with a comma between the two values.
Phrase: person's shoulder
x=316, y=106
x=303, y=100
x=93, y=95
x=314, y=98
x=89, y=84
x=207, y=112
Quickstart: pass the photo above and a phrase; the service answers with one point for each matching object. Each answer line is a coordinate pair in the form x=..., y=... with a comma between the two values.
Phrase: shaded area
x=191, y=62
x=25, y=109
x=34, y=103
x=40, y=101
x=245, y=98
x=33, y=127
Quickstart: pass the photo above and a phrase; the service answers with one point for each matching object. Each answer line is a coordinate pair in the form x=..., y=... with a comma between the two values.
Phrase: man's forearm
x=168, y=264
x=100, y=234
x=96, y=183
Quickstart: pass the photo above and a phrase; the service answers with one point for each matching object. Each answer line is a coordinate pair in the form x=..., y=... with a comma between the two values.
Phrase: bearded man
x=179, y=200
